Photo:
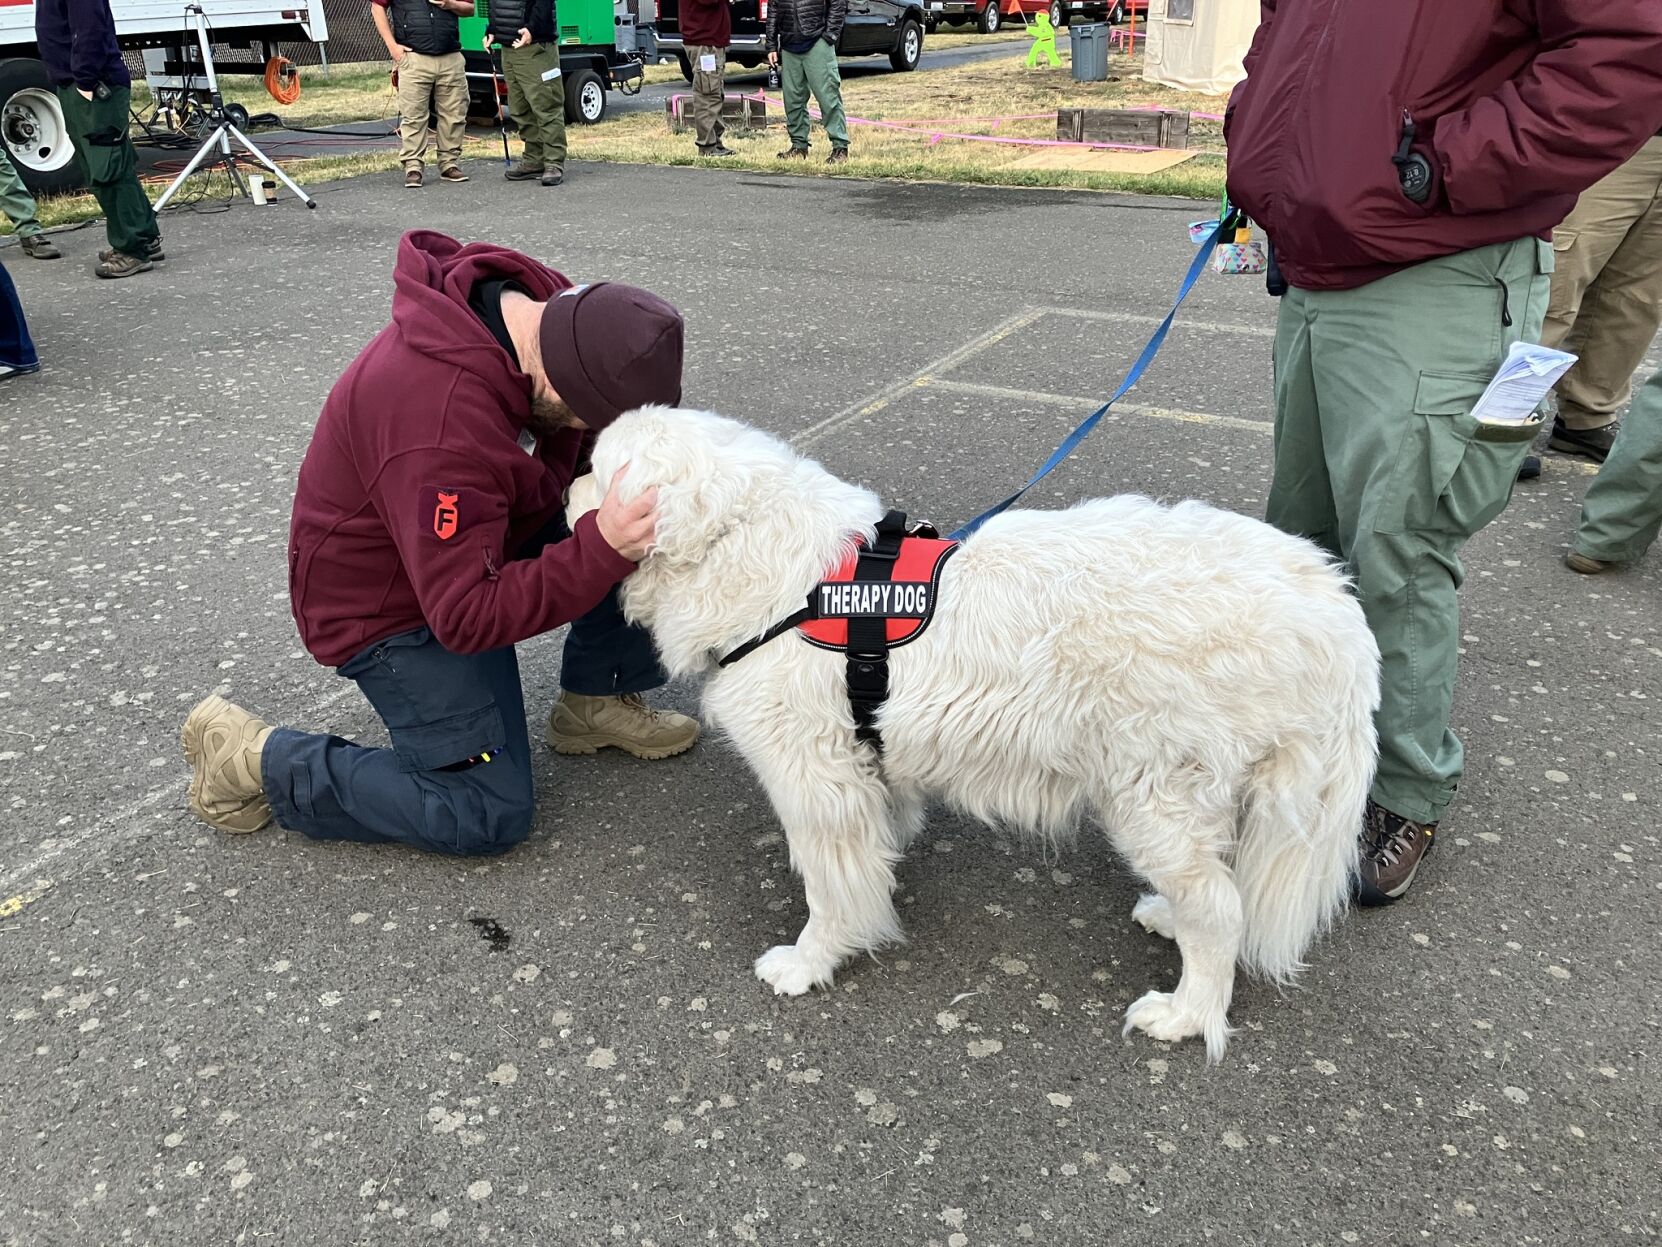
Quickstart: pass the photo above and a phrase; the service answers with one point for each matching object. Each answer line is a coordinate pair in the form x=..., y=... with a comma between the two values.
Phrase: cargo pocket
x=437, y=709
x=1467, y=468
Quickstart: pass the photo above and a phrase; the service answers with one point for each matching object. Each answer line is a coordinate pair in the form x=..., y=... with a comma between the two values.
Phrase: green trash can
x=1090, y=52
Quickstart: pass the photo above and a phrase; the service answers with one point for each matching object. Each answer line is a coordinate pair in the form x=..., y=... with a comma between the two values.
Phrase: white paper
x=548, y=75
x=1528, y=372
x=707, y=62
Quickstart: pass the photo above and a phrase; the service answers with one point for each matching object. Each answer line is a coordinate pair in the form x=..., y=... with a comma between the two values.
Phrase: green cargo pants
x=15, y=200
x=537, y=103
x=1622, y=512
x=816, y=71
x=1378, y=459
x=98, y=128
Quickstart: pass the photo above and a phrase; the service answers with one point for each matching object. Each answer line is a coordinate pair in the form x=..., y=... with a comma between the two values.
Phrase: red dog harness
x=879, y=598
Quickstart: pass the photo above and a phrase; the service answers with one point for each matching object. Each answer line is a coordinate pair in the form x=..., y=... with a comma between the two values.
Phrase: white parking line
x=1085, y=405
x=874, y=403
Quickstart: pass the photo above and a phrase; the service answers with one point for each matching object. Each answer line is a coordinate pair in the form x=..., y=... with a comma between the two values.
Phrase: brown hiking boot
x=1576, y=561
x=838, y=156
x=122, y=265
x=522, y=171
x=152, y=251
x=223, y=743
x=412, y=179
x=39, y=247
x=794, y=153
x=1594, y=443
x=553, y=175
x=581, y=725
x=1392, y=849
x=452, y=174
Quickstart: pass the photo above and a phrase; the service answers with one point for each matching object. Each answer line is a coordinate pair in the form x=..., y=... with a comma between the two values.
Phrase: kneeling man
x=428, y=539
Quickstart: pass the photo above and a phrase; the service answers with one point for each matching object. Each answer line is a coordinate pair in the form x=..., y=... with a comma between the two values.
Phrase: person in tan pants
x=1606, y=299
x=423, y=37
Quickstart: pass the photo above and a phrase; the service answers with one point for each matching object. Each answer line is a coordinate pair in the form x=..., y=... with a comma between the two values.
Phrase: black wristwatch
x=1414, y=175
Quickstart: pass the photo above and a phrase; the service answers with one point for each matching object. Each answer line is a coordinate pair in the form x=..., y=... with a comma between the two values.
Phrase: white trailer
x=32, y=124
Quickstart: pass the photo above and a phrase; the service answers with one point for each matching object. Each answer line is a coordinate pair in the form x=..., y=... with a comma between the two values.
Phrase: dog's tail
x=1303, y=811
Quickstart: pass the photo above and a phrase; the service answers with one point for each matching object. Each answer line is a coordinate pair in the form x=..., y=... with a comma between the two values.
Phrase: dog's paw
x=1153, y=913
x=791, y=972
x=1159, y=1016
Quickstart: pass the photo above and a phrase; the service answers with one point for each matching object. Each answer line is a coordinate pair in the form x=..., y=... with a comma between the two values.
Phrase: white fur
x=1198, y=683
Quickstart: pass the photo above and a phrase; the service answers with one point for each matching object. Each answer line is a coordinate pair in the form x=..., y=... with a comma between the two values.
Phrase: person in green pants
x=1408, y=163
x=1622, y=512
x=805, y=33
x=19, y=205
x=77, y=42
x=536, y=88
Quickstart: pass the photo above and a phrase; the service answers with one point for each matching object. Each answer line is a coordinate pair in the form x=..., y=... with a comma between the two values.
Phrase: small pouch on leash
x=1240, y=257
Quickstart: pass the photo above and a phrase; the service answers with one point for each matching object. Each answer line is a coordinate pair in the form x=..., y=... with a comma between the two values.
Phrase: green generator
x=603, y=46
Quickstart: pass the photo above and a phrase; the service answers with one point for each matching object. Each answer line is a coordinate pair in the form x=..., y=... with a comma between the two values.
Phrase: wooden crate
x=744, y=111
x=1136, y=127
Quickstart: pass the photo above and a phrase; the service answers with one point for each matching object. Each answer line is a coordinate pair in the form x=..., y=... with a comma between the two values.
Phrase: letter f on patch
x=446, y=518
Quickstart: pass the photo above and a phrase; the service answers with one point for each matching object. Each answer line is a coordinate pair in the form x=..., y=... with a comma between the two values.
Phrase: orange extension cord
x=282, y=79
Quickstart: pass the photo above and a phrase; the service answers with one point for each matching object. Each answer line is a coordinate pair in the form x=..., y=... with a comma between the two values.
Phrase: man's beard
x=550, y=415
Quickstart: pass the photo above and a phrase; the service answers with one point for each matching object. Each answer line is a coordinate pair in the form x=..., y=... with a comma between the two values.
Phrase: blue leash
x=1131, y=378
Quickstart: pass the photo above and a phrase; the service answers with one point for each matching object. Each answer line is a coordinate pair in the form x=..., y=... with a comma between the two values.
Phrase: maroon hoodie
x=1519, y=105
x=421, y=480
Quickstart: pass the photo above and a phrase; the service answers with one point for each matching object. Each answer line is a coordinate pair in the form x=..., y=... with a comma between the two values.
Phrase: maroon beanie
x=609, y=348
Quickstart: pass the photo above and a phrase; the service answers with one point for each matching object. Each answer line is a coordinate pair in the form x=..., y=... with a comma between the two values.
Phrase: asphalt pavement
x=207, y=1040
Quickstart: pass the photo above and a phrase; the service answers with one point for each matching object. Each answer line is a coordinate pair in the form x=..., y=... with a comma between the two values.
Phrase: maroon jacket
x=706, y=24
x=1519, y=105
x=418, y=487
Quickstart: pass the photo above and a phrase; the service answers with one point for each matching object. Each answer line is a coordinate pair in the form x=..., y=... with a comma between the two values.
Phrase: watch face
x=1416, y=177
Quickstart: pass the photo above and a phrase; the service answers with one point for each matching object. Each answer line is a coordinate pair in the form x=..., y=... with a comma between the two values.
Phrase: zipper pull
x=490, y=565
x=1407, y=144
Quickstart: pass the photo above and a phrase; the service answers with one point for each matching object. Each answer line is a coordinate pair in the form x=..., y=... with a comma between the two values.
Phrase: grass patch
x=962, y=99
x=354, y=92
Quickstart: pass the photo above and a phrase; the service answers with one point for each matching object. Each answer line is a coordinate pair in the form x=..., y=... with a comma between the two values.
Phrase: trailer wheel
x=585, y=97
x=33, y=128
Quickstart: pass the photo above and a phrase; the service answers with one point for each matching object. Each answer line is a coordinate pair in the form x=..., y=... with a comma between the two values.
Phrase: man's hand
x=488, y=41
x=773, y=58
x=85, y=95
x=628, y=527
x=398, y=52
x=523, y=39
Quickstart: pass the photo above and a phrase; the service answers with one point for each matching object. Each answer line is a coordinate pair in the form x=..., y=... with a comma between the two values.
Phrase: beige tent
x=1197, y=45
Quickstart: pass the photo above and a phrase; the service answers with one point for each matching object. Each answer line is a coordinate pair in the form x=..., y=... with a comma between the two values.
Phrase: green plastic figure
x=1044, y=40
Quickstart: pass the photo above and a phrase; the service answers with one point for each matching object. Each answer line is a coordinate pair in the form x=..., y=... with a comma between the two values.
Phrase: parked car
x=990, y=16
x=892, y=28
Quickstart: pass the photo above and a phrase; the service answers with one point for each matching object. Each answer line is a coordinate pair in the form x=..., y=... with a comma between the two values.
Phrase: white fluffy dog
x=1200, y=684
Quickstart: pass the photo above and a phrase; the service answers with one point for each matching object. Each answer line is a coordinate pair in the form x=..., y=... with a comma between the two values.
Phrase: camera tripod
x=218, y=144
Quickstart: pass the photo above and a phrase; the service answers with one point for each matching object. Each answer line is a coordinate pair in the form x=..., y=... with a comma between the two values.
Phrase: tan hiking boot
x=581, y=725
x=222, y=744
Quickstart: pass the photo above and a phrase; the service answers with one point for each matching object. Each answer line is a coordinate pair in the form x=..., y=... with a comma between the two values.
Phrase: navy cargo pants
x=446, y=714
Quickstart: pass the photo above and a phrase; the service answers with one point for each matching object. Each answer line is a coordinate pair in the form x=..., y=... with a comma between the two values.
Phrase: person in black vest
x=424, y=39
x=536, y=92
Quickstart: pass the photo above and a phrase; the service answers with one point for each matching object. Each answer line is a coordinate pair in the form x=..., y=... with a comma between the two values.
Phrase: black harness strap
x=868, y=638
